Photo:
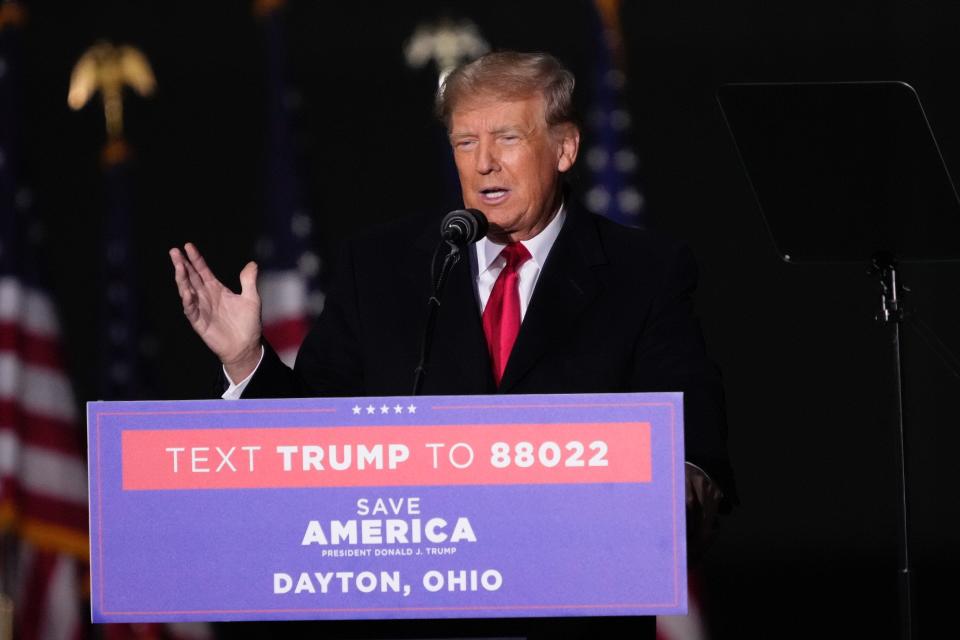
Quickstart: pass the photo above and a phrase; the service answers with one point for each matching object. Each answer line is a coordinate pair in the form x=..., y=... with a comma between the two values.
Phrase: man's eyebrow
x=512, y=128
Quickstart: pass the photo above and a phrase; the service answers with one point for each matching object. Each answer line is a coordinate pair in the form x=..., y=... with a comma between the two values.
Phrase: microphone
x=463, y=226
x=458, y=229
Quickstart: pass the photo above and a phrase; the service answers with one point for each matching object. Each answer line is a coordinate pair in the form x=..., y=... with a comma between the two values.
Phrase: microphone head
x=464, y=226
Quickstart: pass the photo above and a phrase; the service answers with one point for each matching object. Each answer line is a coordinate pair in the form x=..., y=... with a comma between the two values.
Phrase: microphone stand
x=433, y=306
x=884, y=268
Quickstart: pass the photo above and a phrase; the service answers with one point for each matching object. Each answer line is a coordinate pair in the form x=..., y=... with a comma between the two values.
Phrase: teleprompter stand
x=851, y=172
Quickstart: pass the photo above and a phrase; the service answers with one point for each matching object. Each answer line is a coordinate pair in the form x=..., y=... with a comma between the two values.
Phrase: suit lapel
x=459, y=361
x=566, y=286
x=468, y=347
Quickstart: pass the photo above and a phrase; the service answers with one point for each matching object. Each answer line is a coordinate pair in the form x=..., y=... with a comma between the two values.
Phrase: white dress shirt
x=486, y=253
x=489, y=263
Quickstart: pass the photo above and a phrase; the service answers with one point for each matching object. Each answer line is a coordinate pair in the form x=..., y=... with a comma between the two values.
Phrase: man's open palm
x=228, y=323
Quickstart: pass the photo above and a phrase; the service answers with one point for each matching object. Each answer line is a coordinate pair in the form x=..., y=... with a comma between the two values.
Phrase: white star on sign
x=356, y=410
x=411, y=409
x=384, y=409
x=398, y=409
x=370, y=409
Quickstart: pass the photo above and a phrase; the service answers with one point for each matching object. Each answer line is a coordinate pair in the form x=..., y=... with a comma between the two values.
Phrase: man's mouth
x=494, y=195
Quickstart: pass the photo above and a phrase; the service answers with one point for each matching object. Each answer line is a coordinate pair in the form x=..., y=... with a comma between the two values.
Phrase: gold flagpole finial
x=264, y=8
x=613, y=32
x=446, y=43
x=107, y=68
x=12, y=14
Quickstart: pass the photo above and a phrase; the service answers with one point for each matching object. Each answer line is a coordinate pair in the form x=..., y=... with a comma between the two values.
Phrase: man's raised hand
x=228, y=323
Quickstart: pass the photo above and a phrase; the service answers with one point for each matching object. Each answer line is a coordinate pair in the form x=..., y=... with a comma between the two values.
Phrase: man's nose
x=487, y=160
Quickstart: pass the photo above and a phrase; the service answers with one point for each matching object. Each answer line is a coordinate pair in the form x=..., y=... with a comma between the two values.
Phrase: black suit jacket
x=611, y=312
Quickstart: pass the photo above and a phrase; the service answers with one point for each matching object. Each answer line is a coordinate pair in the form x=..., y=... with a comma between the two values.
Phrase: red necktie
x=501, y=316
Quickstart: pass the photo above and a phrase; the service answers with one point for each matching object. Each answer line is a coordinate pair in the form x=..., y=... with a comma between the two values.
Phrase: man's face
x=510, y=162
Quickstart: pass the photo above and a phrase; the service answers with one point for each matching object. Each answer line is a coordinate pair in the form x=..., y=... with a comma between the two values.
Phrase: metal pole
x=891, y=313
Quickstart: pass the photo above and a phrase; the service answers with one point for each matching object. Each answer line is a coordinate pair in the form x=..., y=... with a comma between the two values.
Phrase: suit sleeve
x=670, y=355
x=329, y=363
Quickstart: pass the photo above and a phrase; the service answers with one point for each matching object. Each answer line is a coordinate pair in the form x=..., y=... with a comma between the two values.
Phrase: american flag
x=124, y=369
x=615, y=193
x=611, y=161
x=124, y=343
x=121, y=373
x=43, y=480
x=290, y=267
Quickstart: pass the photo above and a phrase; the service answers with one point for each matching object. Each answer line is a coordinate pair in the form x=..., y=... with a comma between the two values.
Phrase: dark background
x=811, y=550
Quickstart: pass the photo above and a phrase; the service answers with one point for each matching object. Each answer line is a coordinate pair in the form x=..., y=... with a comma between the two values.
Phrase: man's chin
x=498, y=234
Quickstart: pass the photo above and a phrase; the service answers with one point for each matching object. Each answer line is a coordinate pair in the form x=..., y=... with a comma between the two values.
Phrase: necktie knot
x=515, y=254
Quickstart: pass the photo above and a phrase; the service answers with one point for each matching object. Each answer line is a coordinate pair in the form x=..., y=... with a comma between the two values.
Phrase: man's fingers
x=248, y=281
x=193, y=277
x=177, y=259
x=179, y=270
x=190, y=307
x=189, y=284
x=199, y=264
x=185, y=288
x=188, y=295
x=184, y=272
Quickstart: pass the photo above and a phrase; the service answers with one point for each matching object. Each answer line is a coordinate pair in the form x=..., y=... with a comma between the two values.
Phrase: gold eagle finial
x=446, y=43
x=107, y=68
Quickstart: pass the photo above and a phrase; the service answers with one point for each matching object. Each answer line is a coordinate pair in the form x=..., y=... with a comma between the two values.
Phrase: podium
x=512, y=515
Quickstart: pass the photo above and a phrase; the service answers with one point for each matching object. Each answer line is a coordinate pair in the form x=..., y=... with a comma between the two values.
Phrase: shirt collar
x=539, y=245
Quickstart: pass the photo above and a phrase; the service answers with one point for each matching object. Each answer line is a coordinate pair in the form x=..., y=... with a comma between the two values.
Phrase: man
x=553, y=300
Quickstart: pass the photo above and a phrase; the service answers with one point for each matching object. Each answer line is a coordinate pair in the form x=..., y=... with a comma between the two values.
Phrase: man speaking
x=552, y=300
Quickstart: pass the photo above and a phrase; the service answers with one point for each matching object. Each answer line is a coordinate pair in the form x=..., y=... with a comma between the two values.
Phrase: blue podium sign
x=372, y=508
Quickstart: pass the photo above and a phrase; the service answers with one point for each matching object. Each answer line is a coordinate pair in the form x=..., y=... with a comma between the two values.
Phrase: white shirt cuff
x=235, y=390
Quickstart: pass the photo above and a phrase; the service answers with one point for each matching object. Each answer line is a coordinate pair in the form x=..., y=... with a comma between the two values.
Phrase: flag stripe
x=43, y=472
x=287, y=334
x=29, y=308
x=288, y=356
x=35, y=349
x=43, y=535
x=38, y=431
x=284, y=295
x=32, y=508
x=63, y=609
x=44, y=511
x=31, y=612
x=39, y=390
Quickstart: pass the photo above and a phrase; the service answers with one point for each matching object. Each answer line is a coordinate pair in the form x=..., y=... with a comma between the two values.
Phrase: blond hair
x=510, y=75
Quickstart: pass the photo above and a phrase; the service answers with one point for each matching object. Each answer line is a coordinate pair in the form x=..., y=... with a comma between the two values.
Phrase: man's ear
x=569, y=146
